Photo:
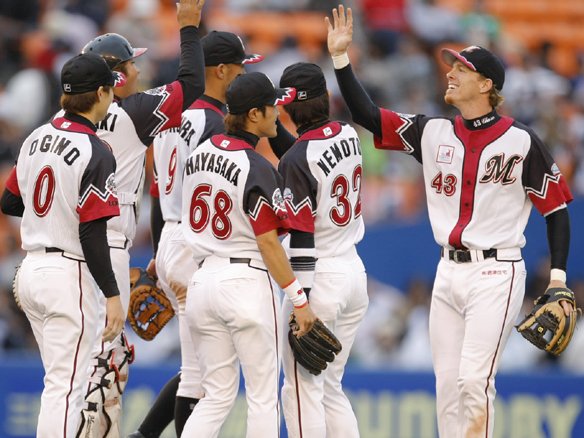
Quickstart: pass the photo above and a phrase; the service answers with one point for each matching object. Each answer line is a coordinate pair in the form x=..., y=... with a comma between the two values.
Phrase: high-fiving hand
x=189, y=12
x=340, y=32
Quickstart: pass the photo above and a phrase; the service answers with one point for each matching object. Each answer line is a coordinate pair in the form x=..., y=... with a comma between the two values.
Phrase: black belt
x=53, y=249
x=243, y=260
x=464, y=255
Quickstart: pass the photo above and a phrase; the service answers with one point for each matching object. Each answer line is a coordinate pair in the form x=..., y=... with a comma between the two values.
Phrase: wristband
x=558, y=274
x=341, y=61
x=296, y=294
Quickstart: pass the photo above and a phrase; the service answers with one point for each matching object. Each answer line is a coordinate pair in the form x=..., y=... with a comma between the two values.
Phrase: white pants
x=316, y=406
x=175, y=266
x=233, y=313
x=61, y=301
x=474, y=306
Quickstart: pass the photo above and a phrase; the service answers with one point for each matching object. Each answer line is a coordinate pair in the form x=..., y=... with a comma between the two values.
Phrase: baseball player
x=64, y=180
x=322, y=172
x=132, y=122
x=232, y=211
x=225, y=59
x=483, y=172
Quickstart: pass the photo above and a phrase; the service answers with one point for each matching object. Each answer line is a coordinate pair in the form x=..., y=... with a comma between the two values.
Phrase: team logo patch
x=224, y=144
x=327, y=131
x=445, y=154
x=65, y=125
x=555, y=169
x=278, y=204
x=110, y=184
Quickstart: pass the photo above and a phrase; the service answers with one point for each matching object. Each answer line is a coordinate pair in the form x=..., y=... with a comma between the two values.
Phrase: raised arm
x=340, y=36
x=191, y=71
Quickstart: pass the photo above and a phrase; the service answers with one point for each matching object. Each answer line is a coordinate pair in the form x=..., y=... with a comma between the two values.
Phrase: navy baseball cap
x=480, y=60
x=255, y=90
x=226, y=48
x=87, y=72
x=307, y=78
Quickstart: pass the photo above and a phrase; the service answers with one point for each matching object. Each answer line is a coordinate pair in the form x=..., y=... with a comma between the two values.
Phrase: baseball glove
x=315, y=349
x=149, y=309
x=547, y=326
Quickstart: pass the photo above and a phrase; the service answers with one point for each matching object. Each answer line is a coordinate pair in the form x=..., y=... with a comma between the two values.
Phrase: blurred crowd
x=395, y=54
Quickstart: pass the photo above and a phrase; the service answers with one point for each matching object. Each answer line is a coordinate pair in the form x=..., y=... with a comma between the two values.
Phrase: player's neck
x=217, y=93
x=474, y=110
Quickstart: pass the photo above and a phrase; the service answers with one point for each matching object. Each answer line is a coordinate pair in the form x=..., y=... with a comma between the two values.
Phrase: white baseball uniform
x=322, y=175
x=174, y=260
x=230, y=195
x=482, y=177
x=65, y=176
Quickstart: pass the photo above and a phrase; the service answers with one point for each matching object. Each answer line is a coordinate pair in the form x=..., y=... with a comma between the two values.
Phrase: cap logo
x=302, y=95
x=67, y=88
x=241, y=42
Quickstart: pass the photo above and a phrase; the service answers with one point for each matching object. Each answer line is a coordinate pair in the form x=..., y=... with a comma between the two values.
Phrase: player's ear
x=220, y=71
x=253, y=114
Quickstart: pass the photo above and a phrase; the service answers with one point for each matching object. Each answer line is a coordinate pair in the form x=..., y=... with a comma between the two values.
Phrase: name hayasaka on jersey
x=210, y=162
x=56, y=145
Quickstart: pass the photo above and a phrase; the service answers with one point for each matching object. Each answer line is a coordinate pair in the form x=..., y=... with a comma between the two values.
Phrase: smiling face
x=465, y=86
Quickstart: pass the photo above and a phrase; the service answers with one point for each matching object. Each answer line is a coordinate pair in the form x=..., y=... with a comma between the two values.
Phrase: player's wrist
x=558, y=275
x=296, y=294
x=341, y=60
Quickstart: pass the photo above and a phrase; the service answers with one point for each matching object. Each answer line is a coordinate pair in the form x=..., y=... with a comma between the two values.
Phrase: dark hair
x=309, y=111
x=81, y=103
x=238, y=122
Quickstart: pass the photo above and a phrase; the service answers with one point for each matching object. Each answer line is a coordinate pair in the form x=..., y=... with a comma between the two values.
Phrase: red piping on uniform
x=76, y=348
x=275, y=314
x=497, y=349
x=298, y=398
x=474, y=142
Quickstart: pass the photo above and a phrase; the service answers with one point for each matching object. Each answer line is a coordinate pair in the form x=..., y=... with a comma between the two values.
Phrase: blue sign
x=387, y=404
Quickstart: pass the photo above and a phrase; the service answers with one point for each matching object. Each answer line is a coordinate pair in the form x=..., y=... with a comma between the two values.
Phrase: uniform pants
x=474, y=306
x=233, y=313
x=316, y=406
x=60, y=299
x=175, y=266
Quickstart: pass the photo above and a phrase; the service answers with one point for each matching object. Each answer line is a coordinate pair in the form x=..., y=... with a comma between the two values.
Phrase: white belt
x=127, y=198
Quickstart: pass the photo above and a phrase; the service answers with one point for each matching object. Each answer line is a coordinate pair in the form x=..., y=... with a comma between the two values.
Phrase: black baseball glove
x=547, y=326
x=315, y=349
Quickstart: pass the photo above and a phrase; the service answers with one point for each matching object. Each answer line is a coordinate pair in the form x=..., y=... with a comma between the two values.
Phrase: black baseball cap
x=87, y=72
x=255, y=90
x=226, y=48
x=480, y=60
x=307, y=78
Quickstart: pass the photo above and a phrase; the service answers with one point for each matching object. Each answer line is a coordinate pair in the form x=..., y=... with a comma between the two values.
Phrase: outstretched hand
x=189, y=12
x=340, y=32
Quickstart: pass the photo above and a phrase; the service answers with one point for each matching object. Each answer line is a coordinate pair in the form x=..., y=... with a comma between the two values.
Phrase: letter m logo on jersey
x=499, y=170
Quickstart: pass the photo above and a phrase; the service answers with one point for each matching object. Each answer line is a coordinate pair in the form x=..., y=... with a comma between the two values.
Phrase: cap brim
x=449, y=56
x=139, y=51
x=252, y=59
x=119, y=79
x=284, y=96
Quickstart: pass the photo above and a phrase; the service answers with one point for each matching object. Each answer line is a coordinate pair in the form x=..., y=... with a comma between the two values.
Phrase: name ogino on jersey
x=55, y=146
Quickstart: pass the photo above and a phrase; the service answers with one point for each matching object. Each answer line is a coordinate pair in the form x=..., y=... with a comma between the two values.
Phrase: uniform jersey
x=322, y=175
x=130, y=127
x=65, y=176
x=480, y=183
x=230, y=195
x=203, y=119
